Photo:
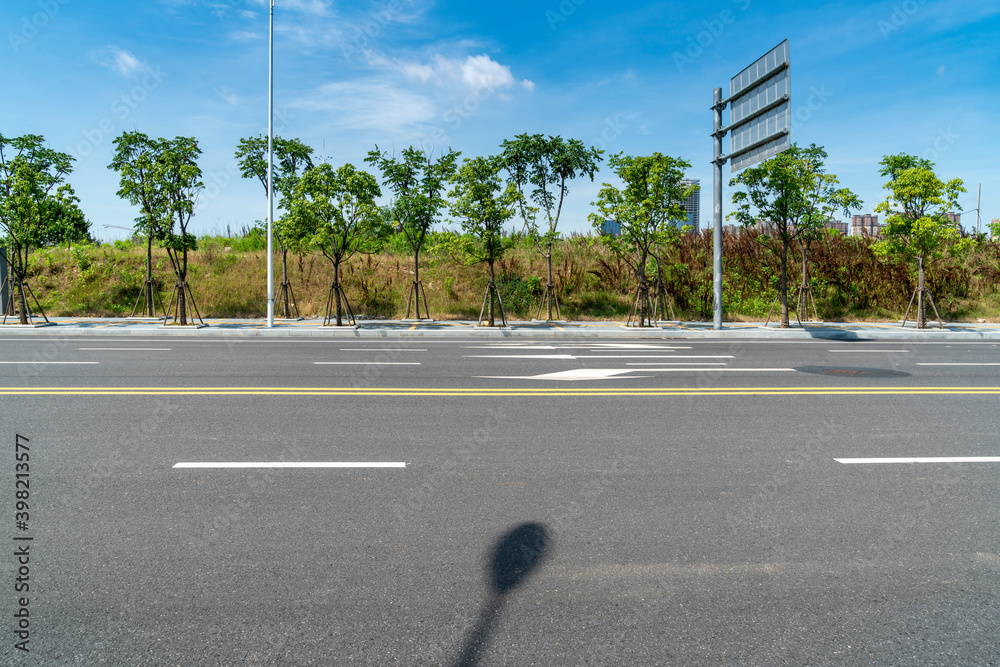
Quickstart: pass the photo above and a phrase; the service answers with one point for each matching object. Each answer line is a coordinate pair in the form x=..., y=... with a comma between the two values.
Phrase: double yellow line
x=485, y=391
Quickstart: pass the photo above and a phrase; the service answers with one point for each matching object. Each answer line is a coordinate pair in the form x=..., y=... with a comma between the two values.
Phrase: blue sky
x=868, y=78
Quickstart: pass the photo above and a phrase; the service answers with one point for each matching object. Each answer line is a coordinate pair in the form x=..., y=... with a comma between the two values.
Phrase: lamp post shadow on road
x=515, y=556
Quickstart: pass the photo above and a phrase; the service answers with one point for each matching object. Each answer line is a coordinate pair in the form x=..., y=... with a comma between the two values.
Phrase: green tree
x=783, y=198
x=917, y=228
x=647, y=207
x=135, y=161
x=418, y=183
x=335, y=212
x=824, y=200
x=484, y=204
x=35, y=206
x=541, y=168
x=291, y=159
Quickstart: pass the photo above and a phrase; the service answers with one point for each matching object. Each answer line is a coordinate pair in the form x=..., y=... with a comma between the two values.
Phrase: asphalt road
x=679, y=502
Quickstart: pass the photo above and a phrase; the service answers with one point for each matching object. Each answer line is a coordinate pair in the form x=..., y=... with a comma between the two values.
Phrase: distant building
x=954, y=217
x=841, y=227
x=865, y=225
x=612, y=227
x=692, y=205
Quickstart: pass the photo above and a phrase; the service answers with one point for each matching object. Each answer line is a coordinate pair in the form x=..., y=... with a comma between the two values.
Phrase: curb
x=396, y=329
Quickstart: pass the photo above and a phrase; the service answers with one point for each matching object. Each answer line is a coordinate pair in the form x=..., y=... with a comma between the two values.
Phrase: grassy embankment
x=227, y=279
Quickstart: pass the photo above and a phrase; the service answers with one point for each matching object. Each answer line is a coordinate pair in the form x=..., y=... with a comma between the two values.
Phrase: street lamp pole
x=270, y=171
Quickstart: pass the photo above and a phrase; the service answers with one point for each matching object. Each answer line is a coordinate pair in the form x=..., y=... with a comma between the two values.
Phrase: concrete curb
x=439, y=329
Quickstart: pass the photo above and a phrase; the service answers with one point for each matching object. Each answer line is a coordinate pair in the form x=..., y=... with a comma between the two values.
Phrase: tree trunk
x=921, y=305
x=336, y=292
x=801, y=305
x=783, y=286
x=643, y=290
x=284, y=282
x=22, y=301
x=149, y=277
x=491, y=291
x=550, y=291
x=182, y=297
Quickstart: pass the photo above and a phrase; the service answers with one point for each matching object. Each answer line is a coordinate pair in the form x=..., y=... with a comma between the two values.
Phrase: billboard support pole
x=717, y=162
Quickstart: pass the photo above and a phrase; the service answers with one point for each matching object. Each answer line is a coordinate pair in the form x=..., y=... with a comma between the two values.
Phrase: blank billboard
x=760, y=109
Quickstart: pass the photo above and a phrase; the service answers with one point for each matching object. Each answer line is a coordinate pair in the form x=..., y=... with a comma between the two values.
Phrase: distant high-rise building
x=841, y=227
x=692, y=205
x=612, y=227
x=865, y=225
x=954, y=217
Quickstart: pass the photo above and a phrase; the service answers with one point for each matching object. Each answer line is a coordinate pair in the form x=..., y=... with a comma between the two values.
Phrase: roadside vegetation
x=849, y=279
x=337, y=246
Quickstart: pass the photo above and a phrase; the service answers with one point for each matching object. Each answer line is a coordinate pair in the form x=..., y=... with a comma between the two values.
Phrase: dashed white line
x=127, y=349
x=49, y=362
x=376, y=349
x=941, y=363
x=293, y=464
x=675, y=363
x=926, y=459
x=886, y=351
x=367, y=363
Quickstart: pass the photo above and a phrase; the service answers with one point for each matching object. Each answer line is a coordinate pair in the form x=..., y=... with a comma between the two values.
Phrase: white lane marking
x=376, y=349
x=607, y=347
x=655, y=349
x=659, y=356
x=293, y=464
x=938, y=363
x=49, y=362
x=127, y=349
x=887, y=351
x=675, y=363
x=719, y=370
x=570, y=357
x=606, y=373
x=367, y=363
x=926, y=459
x=573, y=375
x=519, y=356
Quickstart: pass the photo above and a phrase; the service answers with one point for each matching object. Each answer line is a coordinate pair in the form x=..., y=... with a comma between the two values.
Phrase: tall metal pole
x=717, y=163
x=270, y=170
x=979, y=198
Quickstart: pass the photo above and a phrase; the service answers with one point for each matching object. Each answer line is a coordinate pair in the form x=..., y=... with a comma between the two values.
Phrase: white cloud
x=244, y=36
x=122, y=61
x=228, y=94
x=475, y=73
x=367, y=105
x=480, y=72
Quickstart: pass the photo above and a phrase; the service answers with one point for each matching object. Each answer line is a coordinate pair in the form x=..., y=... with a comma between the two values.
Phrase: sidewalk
x=80, y=326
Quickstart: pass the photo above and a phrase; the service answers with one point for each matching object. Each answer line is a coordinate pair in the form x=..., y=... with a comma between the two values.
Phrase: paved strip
x=367, y=363
x=926, y=459
x=567, y=357
x=948, y=363
x=675, y=363
x=521, y=391
x=886, y=351
x=293, y=464
x=127, y=349
x=49, y=362
x=381, y=349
